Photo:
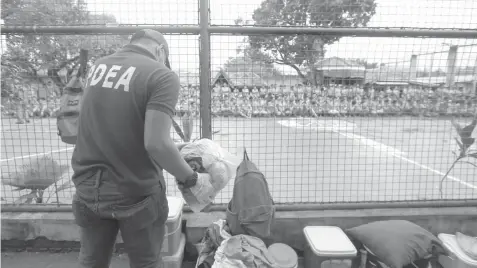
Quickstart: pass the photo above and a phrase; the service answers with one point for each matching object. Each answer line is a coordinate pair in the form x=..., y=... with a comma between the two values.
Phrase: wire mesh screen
x=328, y=119
x=373, y=123
x=35, y=162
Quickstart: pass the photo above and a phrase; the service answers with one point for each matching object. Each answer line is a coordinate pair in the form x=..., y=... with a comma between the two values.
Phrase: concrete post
x=450, y=72
x=413, y=69
x=474, y=78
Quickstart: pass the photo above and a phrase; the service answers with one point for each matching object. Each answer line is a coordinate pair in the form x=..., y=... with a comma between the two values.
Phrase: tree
x=366, y=64
x=305, y=50
x=250, y=62
x=30, y=53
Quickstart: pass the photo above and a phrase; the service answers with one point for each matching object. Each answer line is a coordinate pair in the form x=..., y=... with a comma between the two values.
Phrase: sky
x=389, y=13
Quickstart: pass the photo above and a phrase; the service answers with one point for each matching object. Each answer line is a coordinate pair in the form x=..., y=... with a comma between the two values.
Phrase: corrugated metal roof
x=344, y=73
x=335, y=62
x=335, y=67
x=437, y=80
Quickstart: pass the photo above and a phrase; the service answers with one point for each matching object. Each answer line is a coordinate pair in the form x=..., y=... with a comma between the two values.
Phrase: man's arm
x=180, y=146
x=161, y=148
x=161, y=104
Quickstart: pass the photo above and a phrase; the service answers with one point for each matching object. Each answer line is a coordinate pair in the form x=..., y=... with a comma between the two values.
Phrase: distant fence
x=339, y=106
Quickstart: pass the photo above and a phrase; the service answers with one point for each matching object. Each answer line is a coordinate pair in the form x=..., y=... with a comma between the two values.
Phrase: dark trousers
x=102, y=211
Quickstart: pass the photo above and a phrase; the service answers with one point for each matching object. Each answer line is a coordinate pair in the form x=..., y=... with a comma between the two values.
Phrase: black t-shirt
x=119, y=90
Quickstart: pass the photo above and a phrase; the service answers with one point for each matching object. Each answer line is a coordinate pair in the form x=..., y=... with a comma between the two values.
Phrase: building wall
x=286, y=80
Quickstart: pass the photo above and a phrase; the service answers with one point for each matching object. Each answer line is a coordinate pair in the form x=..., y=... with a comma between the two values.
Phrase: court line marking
x=341, y=128
x=470, y=185
x=34, y=155
x=382, y=147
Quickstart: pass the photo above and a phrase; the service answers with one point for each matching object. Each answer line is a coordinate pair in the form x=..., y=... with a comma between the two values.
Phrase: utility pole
x=451, y=60
x=413, y=69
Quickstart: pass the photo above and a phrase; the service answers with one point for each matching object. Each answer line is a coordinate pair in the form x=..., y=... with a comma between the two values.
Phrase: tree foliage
x=298, y=51
x=27, y=54
x=366, y=64
x=251, y=61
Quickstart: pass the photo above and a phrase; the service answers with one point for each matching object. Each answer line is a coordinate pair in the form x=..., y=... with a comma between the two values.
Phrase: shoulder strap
x=245, y=155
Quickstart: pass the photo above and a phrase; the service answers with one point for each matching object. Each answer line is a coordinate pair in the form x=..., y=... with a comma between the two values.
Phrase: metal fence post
x=204, y=60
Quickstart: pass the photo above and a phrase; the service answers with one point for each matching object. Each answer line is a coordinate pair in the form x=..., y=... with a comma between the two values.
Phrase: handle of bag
x=83, y=61
x=245, y=155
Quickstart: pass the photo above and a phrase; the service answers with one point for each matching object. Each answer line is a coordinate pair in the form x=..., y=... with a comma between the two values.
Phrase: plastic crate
x=172, y=233
x=175, y=260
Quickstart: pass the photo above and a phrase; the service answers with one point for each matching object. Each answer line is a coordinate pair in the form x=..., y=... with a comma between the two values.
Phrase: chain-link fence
x=336, y=101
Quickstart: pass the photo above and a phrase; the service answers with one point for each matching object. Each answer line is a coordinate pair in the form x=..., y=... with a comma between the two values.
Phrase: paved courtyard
x=325, y=160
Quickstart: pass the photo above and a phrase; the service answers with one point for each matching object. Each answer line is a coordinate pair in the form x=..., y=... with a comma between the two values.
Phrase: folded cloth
x=468, y=244
x=243, y=251
x=215, y=234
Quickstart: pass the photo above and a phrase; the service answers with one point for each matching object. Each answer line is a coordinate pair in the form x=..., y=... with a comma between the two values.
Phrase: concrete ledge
x=58, y=229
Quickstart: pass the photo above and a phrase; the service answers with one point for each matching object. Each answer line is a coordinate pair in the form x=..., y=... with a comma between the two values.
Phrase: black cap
x=154, y=36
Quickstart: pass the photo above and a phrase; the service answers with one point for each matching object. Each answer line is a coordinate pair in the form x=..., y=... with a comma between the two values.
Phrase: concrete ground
x=322, y=160
x=50, y=260
x=66, y=260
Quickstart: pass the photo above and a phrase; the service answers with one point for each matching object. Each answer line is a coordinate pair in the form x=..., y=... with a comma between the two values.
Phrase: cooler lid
x=450, y=242
x=175, y=207
x=283, y=255
x=329, y=241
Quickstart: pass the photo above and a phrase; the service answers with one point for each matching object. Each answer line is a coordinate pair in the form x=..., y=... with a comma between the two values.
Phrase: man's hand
x=189, y=182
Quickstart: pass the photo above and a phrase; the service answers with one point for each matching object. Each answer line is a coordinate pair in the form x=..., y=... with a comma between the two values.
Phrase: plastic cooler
x=283, y=255
x=172, y=232
x=458, y=258
x=326, y=243
x=175, y=260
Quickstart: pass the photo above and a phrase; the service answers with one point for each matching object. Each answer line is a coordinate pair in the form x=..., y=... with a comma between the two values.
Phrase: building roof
x=239, y=79
x=340, y=68
x=438, y=80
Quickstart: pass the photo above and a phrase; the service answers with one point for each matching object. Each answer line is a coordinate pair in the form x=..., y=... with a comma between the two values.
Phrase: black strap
x=178, y=130
x=245, y=155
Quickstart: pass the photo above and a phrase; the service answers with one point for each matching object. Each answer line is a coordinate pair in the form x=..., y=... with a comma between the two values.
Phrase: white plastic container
x=458, y=258
x=172, y=233
x=175, y=260
x=283, y=255
x=326, y=243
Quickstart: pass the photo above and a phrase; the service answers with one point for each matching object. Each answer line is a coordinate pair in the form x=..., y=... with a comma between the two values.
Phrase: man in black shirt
x=123, y=145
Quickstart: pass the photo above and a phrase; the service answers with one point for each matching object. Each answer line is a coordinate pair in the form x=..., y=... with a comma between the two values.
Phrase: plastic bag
x=206, y=156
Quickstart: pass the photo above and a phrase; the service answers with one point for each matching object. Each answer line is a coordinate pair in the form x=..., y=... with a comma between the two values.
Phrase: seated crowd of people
x=28, y=107
x=334, y=100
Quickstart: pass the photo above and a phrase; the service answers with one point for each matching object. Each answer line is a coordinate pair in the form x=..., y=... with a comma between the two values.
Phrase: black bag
x=371, y=261
x=70, y=104
x=251, y=210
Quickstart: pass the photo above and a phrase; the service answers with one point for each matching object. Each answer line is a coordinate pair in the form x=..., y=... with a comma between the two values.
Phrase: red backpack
x=251, y=210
